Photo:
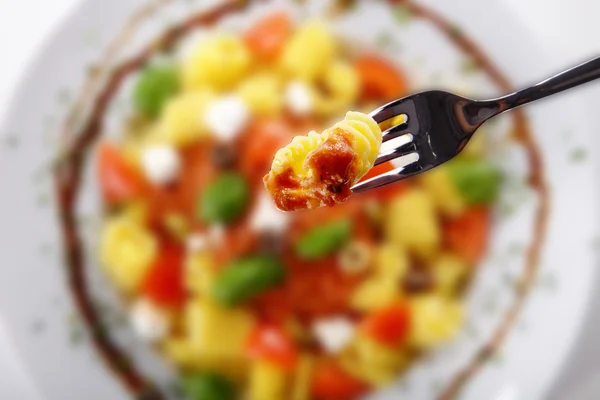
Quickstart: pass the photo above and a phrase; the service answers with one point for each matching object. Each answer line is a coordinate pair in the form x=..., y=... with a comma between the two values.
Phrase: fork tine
x=394, y=132
x=409, y=168
x=387, y=111
x=405, y=146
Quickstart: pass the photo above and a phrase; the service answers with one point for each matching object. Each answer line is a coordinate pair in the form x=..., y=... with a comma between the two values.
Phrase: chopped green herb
x=477, y=181
x=248, y=277
x=43, y=199
x=324, y=240
x=490, y=305
x=436, y=77
x=405, y=385
x=496, y=359
x=46, y=248
x=77, y=336
x=548, y=282
x=515, y=249
x=470, y=330
x=48, y=122
x=595, y=243
x=455, y=31
x=566, y=134
x=208, y=386
x=578, y=155
x=436, y=385
x=469, y=66
x=91, y=37
x=402, y=15
x=155, y=86
x=225, y=199
x=38, y=327
x=63, y=96
x=509, y=280
x=12, y=141
x=384, y=40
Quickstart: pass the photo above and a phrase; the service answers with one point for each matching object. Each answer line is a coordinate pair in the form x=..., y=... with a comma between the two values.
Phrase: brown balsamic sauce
x=68, y=172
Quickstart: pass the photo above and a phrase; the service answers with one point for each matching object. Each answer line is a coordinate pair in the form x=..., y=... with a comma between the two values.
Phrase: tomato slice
x=164, y=284
x=380, y=79
x=389, y=326
x=267, y=37
x=119, y=181
x=269, y=342
x=263, y=139
x=468, y=234
x=331, y=382
x=388, y=191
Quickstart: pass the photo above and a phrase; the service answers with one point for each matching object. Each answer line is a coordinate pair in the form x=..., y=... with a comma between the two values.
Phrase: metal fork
x=437, y=125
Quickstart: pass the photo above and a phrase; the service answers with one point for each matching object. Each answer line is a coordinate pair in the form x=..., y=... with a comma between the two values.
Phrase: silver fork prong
x=394, y=132
x=387, y=111
x=389, y=177
x=403, y=147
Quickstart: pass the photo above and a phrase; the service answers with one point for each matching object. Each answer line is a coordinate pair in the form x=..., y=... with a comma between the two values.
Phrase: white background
x=572, y=29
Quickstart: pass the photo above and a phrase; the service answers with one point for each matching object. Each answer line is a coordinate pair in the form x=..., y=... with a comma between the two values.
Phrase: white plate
x=39, y=311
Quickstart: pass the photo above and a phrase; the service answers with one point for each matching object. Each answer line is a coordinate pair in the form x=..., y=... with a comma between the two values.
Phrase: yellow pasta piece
x=435, y=319
x=182, y=121
x=347, y=151
x=218, y=335
x=342, y=86
x=443, y=192
x=373, y=362
x=413, y=224
x=268, y=381
x=392, y=262
x=449, y=271
x=262, y=93
x=477, y=145
x=127, y=250
x=301, y=389
x=200, y=272
x=178, y=351
x=176, y=225
x=374, y=293
x=133, y=146
x=220, y=62
x=308, y=53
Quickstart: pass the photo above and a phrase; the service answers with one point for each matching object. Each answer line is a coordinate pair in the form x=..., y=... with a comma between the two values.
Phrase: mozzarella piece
x=268, y=217
x=227, y=117
x=161, y=164
x=334, y=333
x=148, y=321
x=298, y=98
x=216, y=234
x=197, y=242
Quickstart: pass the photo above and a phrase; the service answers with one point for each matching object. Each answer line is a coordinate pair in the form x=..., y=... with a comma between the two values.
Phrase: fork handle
x=480, y=111
x=569, y=79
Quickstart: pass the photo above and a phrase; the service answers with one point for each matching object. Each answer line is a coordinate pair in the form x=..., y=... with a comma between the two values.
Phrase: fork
x=437, y=125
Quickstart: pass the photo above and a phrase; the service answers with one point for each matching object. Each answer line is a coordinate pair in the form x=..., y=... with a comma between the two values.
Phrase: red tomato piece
x=264, y=138
x=119, y=181
x=389, y=325
x=468, y=234
x=271, y=343
x=164, y=284
x=380, y=79
x=267, y=37
x=388, y=191
x=331, y=382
